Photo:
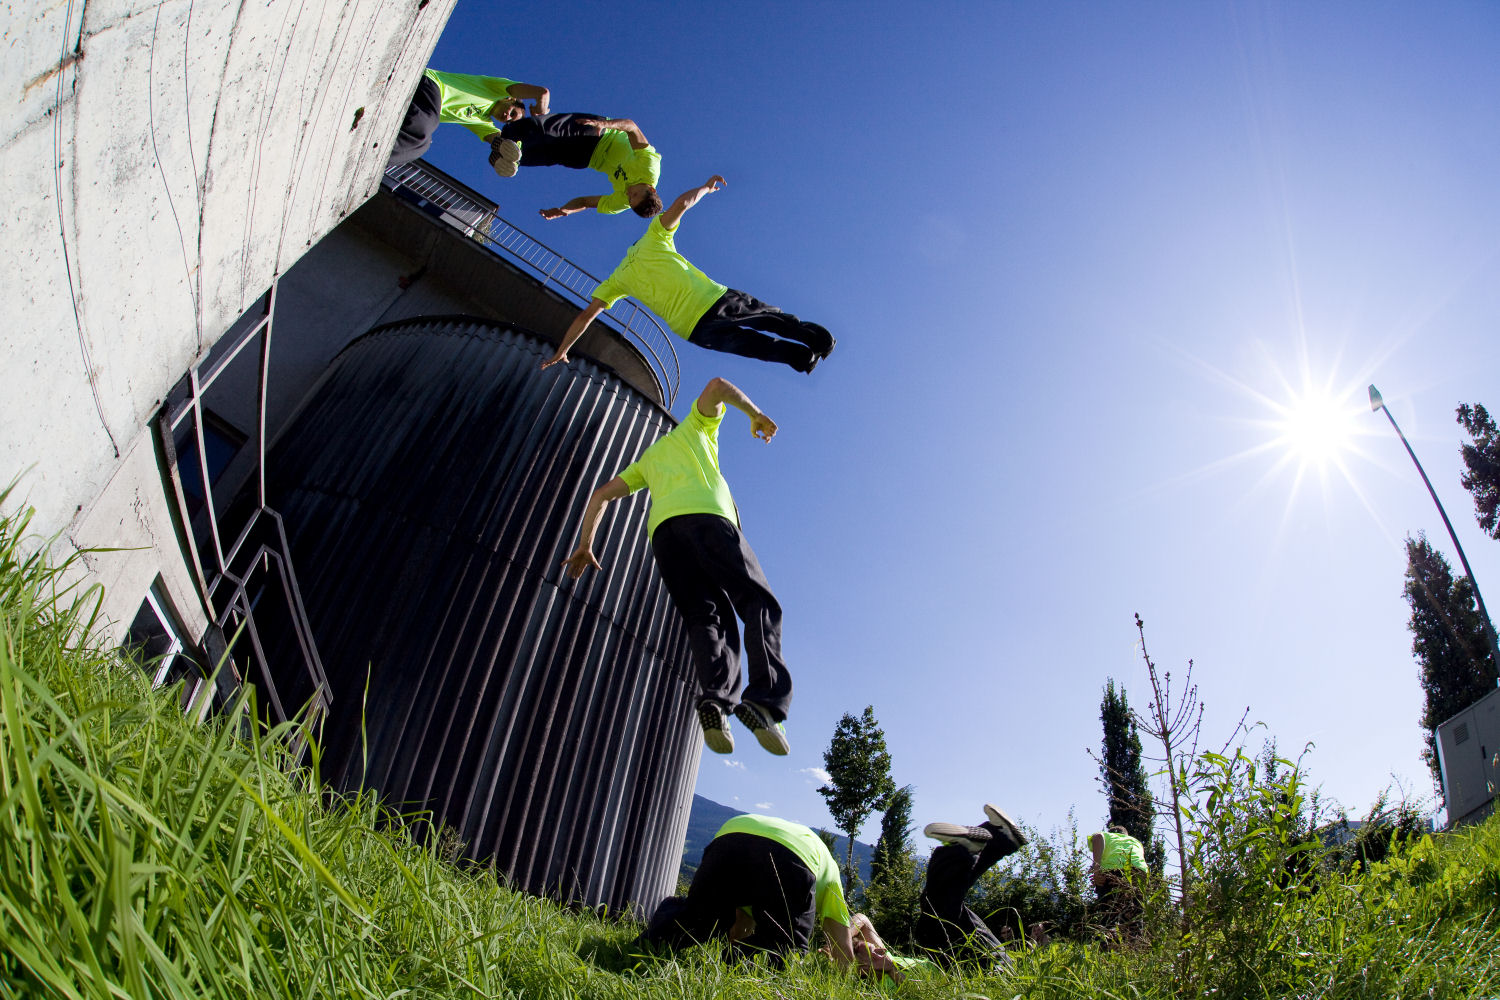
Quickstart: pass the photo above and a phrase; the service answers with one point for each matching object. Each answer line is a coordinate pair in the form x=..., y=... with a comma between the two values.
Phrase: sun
x=1316, y=426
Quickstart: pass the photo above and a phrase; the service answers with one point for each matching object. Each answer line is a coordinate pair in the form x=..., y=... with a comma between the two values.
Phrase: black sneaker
x=715, y=727
x=971, y=838
x=1000, y=821
x=825, y=344
x=768, y=732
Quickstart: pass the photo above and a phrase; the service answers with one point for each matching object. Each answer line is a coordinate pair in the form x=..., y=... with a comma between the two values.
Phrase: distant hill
x=707, y=816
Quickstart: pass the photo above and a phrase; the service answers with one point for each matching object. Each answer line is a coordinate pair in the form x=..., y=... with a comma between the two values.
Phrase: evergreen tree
x=1123, y=775
x=1448, y=640
x=892, y=896
x=1482, y=462
x=859, y=778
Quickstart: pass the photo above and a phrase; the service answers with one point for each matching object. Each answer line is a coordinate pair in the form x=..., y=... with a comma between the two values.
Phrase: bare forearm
x=592, y=515
x=735, y=397
x=582, y=557
x=539, y=96
x=575, y=330
x=630, y=128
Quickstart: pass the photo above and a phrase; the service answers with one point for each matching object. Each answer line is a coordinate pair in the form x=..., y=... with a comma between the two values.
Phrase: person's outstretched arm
x=583, y=553
x=575, y=330
x=721, y=390
x=688, y=199
x=626, y=125
x=572, y=205
x=540, y=97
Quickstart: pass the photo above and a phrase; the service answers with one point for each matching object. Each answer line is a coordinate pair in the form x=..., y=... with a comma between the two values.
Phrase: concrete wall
x=160, y=164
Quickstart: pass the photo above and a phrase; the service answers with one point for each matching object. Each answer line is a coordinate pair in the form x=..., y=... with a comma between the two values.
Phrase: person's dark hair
x=1117, y=828
x=647, y=206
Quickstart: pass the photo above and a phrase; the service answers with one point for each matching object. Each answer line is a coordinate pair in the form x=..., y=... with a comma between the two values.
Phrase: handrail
x=478, y=219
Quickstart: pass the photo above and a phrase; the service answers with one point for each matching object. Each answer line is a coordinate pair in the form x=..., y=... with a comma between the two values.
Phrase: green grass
x=145, y=856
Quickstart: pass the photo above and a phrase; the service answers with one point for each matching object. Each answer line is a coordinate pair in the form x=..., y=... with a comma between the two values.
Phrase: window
x=221, y=442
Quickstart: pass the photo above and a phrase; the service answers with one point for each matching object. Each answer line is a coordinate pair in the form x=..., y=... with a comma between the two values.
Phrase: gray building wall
x=160, y=164
x=432, y=486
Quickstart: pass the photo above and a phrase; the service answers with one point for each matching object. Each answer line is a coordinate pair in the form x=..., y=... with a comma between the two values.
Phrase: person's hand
x=593, y=123
x=581, y=559
x=554, y=213
x=715, y=182
x=558, y=358
x=763, y=427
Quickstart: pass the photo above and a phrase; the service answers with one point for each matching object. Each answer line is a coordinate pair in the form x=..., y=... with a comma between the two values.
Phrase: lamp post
x=1376, y=403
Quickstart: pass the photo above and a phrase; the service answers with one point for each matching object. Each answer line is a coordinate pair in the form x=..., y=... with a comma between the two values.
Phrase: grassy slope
x=144, y=856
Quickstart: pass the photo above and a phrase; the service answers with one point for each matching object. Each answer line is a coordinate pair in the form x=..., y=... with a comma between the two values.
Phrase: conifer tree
x=1482, y=465
x=891, y=898
x=1123, y=774
x=1448, y=640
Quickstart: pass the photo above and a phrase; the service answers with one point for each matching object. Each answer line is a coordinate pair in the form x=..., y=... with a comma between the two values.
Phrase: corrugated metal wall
x=432, y=486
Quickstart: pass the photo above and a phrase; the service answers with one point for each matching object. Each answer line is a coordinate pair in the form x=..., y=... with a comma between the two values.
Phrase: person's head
x=507, y=109
x=644, y=201
x=1117, y=828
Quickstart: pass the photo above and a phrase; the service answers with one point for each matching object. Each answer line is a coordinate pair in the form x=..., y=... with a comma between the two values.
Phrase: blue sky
x=1080, y=259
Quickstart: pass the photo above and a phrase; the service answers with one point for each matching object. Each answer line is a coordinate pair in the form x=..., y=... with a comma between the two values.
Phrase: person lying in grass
x=763, y=885
x=946, y=929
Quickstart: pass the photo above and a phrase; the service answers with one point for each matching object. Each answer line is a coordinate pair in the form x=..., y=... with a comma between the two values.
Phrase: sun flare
x=1317, y=426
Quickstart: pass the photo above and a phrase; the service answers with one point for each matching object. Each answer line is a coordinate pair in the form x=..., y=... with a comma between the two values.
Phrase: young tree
x=1482, y=461
x=1448, y=640
x=891, y=898
x=1123, y=775
x=859, y=778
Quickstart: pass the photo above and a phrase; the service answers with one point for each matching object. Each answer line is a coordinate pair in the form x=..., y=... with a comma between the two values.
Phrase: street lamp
x=1376, y=403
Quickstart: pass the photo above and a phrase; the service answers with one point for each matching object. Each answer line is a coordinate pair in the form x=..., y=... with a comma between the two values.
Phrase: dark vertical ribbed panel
x=432, y=486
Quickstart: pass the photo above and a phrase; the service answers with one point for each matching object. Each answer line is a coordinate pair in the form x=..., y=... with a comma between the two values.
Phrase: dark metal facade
x=432, y=485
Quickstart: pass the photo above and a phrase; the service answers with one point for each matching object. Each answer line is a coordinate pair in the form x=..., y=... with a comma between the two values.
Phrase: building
x=197, y=274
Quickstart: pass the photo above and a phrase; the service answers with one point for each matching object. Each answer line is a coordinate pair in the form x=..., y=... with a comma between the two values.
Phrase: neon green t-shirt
x=1121, y=851
x=467, y=99
x=828, y=890
x=661, y=278
x=624, y=166
x=682, y=471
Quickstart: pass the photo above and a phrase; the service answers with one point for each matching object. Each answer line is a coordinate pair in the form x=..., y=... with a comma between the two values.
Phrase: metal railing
x=234, y=578
x=477, y=218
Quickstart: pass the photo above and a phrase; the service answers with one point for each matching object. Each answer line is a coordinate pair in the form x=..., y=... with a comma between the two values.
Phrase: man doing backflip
x=708, y=568
x=615, y=147
x=695, y=306
x=475, y=102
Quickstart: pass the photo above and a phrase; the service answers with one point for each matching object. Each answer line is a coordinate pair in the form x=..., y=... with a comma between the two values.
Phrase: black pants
x=420, y=122
x=712, y=575
x=555, y=140
x=742, y=324
x=741, y=869
x=945, y=926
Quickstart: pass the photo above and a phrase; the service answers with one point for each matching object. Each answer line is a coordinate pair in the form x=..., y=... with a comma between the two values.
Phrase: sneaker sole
x=717, y=738
x=768, y=737
x=998, y=817
x=952, y=833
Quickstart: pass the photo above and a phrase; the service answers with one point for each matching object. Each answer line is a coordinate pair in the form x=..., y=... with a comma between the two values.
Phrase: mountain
x=707, y=816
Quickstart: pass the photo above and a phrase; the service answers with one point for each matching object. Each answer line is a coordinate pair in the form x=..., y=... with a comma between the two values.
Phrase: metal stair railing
x=478, y=219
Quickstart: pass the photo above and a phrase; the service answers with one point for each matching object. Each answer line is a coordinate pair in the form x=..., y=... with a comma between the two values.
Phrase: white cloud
x=817, y=774
x=765, y=805
x=735, y=763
